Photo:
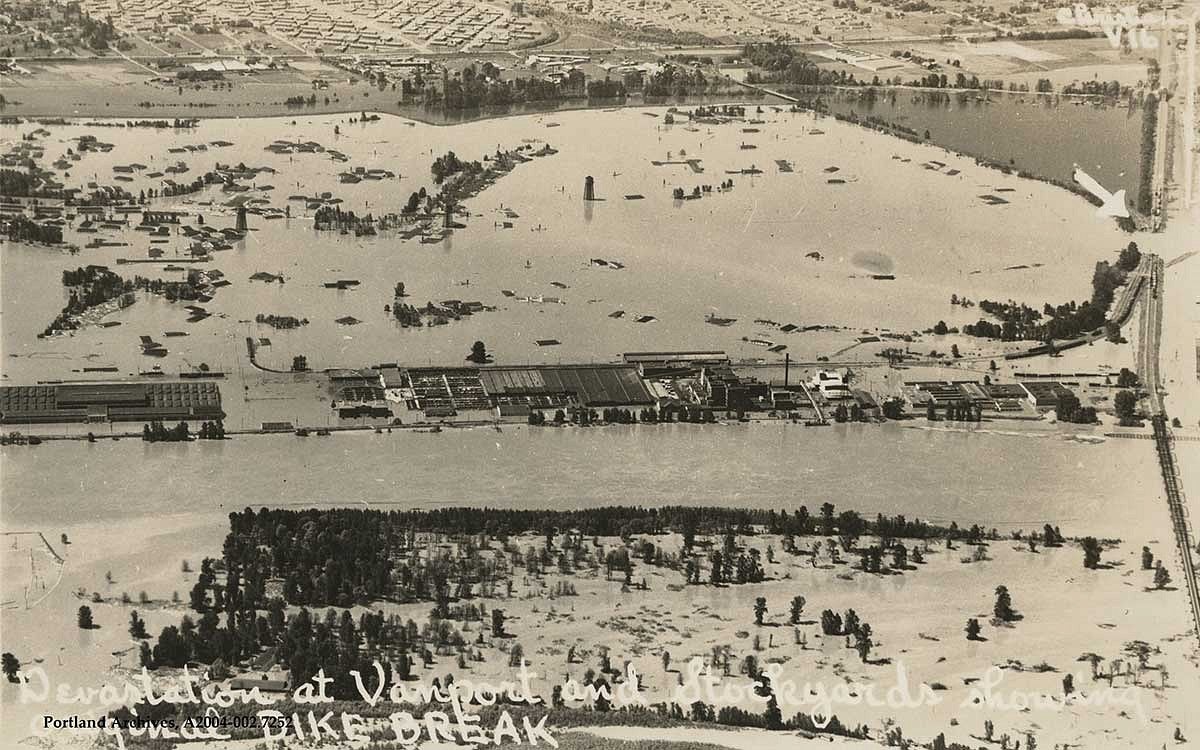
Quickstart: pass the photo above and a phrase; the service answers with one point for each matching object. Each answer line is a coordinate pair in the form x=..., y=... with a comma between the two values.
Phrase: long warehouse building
x=110, y=402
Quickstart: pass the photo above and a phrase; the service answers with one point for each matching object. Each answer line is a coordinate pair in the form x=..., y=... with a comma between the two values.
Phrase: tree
x=864, y=643
x=1003, y=607
x=497, y=623
x=218, y=670
x=797, y=609
x=1091, y=553
x=850, y=625
x=145, y=655
x=11, y=666
x=831, y=622
x=760, y=609
x=973, y=629
x=85, y=618
x=479, y=354
x=1161, y=576
x=772, y=716
x=1147, y=559
x=1125, y=405
x=137, y=626
x=603, y=700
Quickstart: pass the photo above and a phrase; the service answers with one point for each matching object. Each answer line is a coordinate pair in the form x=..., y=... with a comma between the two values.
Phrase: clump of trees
x=89, y=287
x=1020, y=322
x=156, y=432
x=1069, y=409
x=1161, y=576
x=11, y=665
x=1145, y=200
x=479, y=354
x=1125, y=405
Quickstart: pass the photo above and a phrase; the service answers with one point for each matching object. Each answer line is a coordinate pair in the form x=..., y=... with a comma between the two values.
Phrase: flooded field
x=800, y=247
x=1043, y=135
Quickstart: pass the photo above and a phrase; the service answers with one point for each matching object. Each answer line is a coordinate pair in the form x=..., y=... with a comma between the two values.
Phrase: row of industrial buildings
x=694, y=381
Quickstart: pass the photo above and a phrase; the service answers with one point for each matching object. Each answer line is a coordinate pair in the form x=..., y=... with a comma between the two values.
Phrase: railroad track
x=1178, y=507
x=1150, y=330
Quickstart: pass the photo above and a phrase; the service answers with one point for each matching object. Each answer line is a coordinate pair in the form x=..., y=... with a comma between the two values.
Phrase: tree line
x=1020, y=322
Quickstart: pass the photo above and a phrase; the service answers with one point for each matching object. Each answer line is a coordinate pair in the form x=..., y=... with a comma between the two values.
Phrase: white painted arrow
x=1112, y=204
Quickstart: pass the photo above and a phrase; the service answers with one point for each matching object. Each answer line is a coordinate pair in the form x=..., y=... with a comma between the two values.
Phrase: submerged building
x=110, y=402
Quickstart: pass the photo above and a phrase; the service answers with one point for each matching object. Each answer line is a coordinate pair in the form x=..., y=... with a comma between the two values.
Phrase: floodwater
x=969, y=476
x=742, y=253
x=1044, y=135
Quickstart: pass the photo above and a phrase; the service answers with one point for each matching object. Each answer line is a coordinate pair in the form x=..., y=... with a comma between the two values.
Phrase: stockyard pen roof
x=592, y=385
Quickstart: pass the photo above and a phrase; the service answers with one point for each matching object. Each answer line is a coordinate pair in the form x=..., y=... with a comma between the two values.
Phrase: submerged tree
x=479, y=354
x=1003, y=607
x=11, y=666
x=798, y=603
